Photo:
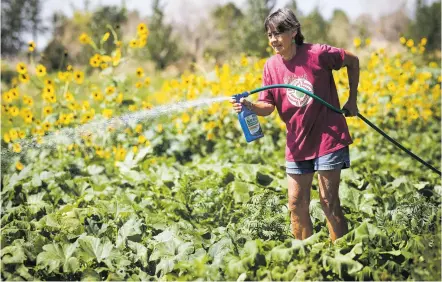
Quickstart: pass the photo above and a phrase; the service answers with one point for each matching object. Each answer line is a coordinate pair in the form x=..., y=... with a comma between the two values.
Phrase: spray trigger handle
x=238, y=97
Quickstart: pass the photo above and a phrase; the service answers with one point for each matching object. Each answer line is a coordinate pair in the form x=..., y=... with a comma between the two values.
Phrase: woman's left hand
x=351, y=108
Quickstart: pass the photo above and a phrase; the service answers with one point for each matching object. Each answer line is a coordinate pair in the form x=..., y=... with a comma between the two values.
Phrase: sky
x=180, y=11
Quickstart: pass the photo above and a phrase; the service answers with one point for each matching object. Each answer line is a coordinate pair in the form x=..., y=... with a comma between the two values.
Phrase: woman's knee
x=330, y=205
x=299, y=205
x=299, y=192
x=329, y=191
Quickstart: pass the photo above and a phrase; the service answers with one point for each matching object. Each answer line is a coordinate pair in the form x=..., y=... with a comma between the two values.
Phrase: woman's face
x=280, y=42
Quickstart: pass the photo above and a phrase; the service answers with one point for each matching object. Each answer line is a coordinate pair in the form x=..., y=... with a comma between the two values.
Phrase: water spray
x=67, y=136
x=251, y=134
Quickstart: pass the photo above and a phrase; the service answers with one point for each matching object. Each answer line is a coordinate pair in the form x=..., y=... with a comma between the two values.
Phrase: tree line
x=230, y=30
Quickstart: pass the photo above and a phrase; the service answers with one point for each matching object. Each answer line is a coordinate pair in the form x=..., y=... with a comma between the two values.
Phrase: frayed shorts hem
x=334, y=160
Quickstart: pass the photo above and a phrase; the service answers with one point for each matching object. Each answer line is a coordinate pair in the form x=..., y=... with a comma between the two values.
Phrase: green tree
x=254, y=40
x=227, y=17
x=18, y=17
x=227, y=20
x=427, y=24
x=65, y=32
x=294, y=6
x=55, y=56
x=364, y=26
x=339, y=32
x=12, y=26
x=163, y=47
x=58, y=23
x=104, y=17
x=314, y=27
x=33, y=10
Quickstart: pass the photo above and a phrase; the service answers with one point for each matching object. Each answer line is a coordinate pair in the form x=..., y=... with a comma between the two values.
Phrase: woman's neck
x=291, y=54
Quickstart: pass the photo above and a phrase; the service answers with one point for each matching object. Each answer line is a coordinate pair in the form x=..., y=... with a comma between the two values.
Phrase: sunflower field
x=179, y=194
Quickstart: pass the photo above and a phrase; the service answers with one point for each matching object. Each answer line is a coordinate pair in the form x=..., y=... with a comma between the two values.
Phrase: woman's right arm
x=260, y=108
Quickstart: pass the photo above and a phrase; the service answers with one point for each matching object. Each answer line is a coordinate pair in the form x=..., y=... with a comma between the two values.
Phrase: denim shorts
x=337, y=159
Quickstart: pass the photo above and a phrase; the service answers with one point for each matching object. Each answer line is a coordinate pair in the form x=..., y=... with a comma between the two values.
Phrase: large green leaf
x=140, y=252
x=36, y=181
x=247, y=172
x=357, y=200
x=93, y=248
x=241, y=191
x=56, y=255
x=220, y=249
x=129, y=228
x=90, y=275
x=17, y=178
x=165, y=265
x=95, y=169
x=280, y=254
x=169, y=249
x=341, y=264
x=234, y=267
x=13, y=254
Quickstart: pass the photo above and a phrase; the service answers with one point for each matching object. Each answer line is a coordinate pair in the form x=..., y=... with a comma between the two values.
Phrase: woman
x=317, y=137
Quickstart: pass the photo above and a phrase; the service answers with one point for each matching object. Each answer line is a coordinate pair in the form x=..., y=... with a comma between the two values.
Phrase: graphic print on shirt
x=295, y=97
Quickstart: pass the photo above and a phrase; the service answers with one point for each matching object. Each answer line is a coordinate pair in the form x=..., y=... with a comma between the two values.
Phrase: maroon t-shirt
x=313, y=130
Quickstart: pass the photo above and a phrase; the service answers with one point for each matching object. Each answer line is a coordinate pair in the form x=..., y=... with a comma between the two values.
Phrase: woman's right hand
x=237, y=107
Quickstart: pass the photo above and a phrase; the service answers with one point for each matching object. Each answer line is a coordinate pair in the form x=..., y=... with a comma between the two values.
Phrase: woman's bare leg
x=329, y=196
x=299, y=186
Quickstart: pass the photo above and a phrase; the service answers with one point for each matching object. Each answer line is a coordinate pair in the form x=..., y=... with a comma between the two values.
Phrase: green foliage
x=34, y=9
x=7, y=74
x=241, y=31
x=214, y=219
x=19, y=17
x=226, y=17
x=163, y=47
x=96, y=24
x=314, y=27
x=55, y=56
x=339, y=32
x=266, y=217
x=363, y=26
x=253, y=40
x=427, y=24
x=188, y=208
x=228, y=21
x=102, y=19
x=295, y=8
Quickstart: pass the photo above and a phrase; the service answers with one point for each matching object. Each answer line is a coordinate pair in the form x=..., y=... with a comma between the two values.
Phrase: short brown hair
x=284, y=20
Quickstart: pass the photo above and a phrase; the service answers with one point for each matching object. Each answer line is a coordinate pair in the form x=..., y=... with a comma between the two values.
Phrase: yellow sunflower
x=79, y=77
x=41, y=70
x=21, y=68
x=31, y=46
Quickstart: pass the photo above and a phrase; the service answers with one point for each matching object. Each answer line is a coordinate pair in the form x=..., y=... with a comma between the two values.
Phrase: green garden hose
x=345, y=112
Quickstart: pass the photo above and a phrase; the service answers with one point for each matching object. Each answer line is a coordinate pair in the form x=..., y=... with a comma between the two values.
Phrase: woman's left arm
x=352, y=63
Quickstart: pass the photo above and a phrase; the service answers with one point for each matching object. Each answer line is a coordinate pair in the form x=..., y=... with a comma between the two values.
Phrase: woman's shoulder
x=319, y=47
x=314, y=47
x=272, y=61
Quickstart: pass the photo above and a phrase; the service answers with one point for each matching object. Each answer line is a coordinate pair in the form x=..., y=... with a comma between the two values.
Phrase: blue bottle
x=248, y=120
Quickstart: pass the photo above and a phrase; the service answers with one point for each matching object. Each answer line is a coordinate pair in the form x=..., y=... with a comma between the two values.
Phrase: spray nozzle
x=238, y=97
